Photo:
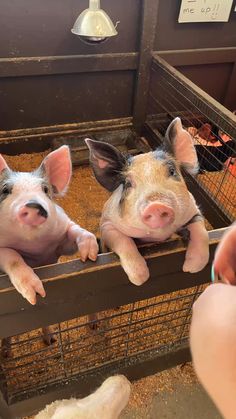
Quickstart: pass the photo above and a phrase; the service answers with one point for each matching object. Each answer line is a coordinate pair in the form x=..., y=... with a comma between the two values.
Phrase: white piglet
x=150, y=200
x=34, y=231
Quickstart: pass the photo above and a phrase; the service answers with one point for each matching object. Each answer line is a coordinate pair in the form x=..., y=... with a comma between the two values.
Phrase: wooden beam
x=200, y=56
x=77, y=127
x=148, y=31
x=41, y=138
x=41, y=66
x=76, y=289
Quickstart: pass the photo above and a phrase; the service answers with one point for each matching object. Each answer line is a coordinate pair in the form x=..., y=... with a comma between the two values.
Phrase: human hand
x=224, y=264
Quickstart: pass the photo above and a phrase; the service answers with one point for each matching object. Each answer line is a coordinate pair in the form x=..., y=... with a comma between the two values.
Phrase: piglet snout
x=32, y=214
x=157, y=215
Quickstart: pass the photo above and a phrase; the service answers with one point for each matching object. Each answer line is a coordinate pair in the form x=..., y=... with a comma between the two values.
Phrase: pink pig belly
x=34, y=254
x=38, y=250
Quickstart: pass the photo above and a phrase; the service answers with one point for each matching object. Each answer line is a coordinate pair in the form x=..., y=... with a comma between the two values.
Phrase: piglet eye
x=172, y=171
x=128, y=184
x=45, y=189
x=6, y=190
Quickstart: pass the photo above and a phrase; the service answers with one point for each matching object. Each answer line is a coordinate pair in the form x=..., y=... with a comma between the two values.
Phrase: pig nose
x=32, y=213
x=157, y=215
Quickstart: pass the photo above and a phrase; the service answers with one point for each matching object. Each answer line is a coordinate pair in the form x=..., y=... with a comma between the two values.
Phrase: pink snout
x=32, y=214
x=157, y=215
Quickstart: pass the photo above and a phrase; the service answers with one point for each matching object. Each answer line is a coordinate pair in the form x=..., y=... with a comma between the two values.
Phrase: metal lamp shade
x=94, y=25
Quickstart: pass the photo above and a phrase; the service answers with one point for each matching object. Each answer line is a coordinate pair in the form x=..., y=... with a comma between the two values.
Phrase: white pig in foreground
x=34, y=231
x=106, y=403
x=150, y=200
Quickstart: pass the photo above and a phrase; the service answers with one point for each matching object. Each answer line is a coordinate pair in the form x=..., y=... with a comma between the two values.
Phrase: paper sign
x=205, y=11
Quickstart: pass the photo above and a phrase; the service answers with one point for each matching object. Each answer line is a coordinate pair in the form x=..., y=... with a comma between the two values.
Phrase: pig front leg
x=6, y=348
x=86, y=242
x=48, y=336
x=197, y=254
x=131, y=261
x=21, y=275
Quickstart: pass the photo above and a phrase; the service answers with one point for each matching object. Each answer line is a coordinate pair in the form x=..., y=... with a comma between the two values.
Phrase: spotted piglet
x=150, y=200
x=34, y=231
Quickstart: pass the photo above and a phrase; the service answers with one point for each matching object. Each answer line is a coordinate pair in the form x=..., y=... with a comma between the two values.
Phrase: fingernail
x=212, y=274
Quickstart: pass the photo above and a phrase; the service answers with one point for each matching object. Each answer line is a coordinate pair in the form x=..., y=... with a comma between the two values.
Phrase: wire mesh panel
x=82, y=345
x=213, y=131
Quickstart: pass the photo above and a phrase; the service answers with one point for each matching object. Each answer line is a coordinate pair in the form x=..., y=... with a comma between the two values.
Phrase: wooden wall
x=48, y=76
x=204, y=52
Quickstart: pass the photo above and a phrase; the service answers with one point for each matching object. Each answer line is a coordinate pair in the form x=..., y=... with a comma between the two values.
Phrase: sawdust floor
x=221, y=186
x=174, y=393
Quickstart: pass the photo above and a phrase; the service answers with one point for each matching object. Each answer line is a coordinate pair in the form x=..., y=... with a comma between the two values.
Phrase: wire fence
x=216, y=150
x=83, y=345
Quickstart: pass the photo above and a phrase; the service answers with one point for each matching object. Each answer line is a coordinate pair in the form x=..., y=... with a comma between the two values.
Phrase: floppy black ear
x=107, y=163
x=179, y=142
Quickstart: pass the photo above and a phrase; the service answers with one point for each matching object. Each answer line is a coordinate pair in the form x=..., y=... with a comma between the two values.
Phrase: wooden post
x=149, y=19
x=230, y=95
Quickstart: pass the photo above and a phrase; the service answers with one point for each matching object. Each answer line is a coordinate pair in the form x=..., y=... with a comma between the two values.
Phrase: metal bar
x=41, y=66
x=126, y=335
x=112, y=317
x=148, y=363
x=148, y=31
x=120, y=353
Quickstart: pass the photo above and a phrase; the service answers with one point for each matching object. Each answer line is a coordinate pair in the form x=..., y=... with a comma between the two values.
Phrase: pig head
x=150, y=200
x=34, y=230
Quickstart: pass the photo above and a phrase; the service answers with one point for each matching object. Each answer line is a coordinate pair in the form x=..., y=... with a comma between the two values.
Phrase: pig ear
x=3, y=164
x=180, y=143
x=107, y=163
x=57, y=166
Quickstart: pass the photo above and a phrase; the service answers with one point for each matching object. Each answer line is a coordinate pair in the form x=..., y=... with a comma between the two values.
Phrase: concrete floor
x=185, y=402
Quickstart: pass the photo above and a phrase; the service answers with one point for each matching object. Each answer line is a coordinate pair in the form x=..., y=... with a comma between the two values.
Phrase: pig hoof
x=93, y=326
x=137, y=272
x=138, y=278
x=5, y=349
x=5, y=352
x=192, y=265
x=49, y=339
x=138, y=281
